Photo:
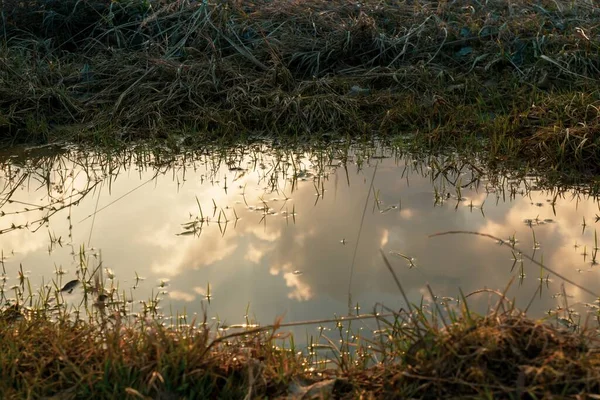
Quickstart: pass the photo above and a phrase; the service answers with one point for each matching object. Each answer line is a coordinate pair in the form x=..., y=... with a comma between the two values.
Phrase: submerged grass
x=518, y=79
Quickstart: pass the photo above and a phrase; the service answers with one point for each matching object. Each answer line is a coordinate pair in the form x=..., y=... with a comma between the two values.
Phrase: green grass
x=518, y=80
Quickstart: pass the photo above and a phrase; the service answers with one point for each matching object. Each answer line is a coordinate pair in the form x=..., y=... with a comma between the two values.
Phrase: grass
x=518, y=80
x=101, y=348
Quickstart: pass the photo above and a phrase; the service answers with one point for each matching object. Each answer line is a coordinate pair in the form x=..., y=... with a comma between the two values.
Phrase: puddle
x=252, y=234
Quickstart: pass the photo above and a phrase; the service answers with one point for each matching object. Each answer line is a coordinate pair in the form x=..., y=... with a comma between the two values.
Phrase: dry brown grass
x=519, y=77
x=501, y=355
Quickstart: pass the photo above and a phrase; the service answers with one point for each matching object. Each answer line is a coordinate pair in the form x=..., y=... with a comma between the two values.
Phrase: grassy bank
x=102, y=349
x=518, y=79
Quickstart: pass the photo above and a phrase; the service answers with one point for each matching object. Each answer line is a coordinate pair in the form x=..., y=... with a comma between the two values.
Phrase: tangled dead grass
x=501, y=355
x=520, y=75
x=504, y=356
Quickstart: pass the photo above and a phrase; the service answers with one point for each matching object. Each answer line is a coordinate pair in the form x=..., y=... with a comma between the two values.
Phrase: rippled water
x=264, y=232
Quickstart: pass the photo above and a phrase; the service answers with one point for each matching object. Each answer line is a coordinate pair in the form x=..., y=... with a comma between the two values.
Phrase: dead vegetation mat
x=498, y=356
x=521, y=75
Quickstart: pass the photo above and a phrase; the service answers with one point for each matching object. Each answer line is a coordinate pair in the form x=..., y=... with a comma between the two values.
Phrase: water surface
x=264, y=232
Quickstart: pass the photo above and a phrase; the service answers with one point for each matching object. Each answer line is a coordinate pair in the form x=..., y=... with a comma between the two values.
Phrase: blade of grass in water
x=362, y=220
x=564, y=278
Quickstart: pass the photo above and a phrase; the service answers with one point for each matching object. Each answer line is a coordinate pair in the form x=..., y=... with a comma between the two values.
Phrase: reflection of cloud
x=162, y=237
x=501, y=230
x=254, y=254
x=407, y=213
x=302, y=290
x=200, y=290
x=179, y=295
x=204, y=251
x=385, y=235
x=476, y=198
x=22, y=240
x=556, y=239
x=266, y=235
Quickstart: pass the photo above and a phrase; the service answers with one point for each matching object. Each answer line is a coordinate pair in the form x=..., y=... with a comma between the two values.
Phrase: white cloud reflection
x=182, y=296
x=301, y=290
x=254, y=254
x=276, y=260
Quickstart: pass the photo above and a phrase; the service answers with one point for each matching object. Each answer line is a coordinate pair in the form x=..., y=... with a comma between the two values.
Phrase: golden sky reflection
x=295, y=257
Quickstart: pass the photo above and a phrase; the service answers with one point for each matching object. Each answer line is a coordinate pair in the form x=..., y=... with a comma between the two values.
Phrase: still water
x=259, y=232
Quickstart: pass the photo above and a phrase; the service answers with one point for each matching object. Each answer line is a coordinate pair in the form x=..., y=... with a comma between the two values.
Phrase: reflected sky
x=280, y=232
